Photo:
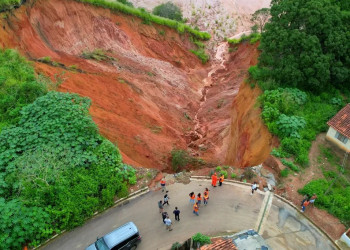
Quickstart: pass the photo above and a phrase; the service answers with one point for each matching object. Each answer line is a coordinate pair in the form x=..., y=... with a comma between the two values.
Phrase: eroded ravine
x=141, y=99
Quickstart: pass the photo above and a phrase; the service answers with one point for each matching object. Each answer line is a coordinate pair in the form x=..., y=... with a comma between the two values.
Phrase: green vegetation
x=179, y=159
x=9, y=4
x=233, y=175
x=291, y=165
x=307, y=49
x=149, y=18
x=223, y=172
x=176, y=246
x=200, y=53
x=218, y=169
x=98, y=55
x=201, y=239
x=284, y=172
x=168, y=10
x=296, y=117
x=56, y=166
x=336, y=201
x=260, y=17
x=18, y=86
x=252, y=38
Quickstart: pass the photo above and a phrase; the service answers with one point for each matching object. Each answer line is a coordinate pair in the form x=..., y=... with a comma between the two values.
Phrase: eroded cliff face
x=153, y=95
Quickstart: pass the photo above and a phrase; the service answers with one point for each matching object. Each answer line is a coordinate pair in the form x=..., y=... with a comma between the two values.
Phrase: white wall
x=331, y=137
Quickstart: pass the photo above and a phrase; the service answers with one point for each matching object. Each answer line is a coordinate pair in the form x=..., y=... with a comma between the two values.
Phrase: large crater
x=155, y=95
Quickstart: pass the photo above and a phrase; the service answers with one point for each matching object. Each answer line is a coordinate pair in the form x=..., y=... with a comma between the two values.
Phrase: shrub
x=291, y=165
x=9, y=4
x=248, y=173
x=223, y=172
x=176, y=246
x=233, y=175
x=179, y=159
x=290, y=126
x=168, y=10
x=201, y=239
x=284, y=172
x=218, y=169
x=200, y=53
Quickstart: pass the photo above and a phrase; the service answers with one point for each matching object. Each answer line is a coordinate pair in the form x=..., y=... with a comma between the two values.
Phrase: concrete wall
x=331, y=136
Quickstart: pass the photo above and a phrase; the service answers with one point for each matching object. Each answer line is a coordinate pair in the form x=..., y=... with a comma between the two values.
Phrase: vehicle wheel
x=133, y=247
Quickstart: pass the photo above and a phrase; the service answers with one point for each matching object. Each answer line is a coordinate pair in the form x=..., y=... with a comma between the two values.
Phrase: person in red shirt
x=214, y=179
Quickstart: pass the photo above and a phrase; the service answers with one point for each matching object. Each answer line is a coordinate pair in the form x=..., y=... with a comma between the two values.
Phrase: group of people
x=306, y=201
x=195, y=200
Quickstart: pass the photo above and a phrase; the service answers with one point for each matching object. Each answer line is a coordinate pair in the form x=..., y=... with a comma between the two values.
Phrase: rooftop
x=341, y=121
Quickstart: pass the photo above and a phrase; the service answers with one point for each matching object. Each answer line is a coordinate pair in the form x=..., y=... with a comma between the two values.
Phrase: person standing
x=195, y=209
x=192, y=197
x=305, y=204
x=199, y=199
x=177, y=214
x=164, y=215
x=168, y=223
x=313, y=198
x=214, y=179
x=162, y=184
x=205, y=197
x=166, y=199
x=160, y=206
x=254, y=188
x=221, y=180
x=306, y=197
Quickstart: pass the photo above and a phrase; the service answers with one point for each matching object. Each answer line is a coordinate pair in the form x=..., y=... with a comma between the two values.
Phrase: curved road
x=231, y=208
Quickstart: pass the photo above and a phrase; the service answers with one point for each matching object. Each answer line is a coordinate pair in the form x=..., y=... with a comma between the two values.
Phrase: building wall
x=331, y=136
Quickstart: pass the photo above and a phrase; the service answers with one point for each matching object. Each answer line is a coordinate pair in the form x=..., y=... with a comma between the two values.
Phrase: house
x=339, y=129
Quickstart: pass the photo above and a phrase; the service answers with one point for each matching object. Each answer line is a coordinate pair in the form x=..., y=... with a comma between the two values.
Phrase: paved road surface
x=231, y=208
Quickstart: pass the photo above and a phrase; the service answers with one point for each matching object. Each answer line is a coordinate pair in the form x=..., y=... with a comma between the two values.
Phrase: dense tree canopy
x=306, y=44
x=168, y=10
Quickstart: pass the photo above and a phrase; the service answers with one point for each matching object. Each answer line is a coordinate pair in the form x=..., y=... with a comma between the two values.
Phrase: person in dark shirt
x=177, y=214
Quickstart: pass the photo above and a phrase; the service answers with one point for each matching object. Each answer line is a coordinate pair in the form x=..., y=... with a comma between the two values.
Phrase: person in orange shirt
x=199, y=199
x=221, y=180
x=306, y=203
x=162, y=184
x=214, y=179
x=192, y=197
x=195, y=209
x=205, y=197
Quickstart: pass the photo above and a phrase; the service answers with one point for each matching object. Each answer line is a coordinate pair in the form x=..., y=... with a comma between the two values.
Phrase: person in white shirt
x=168, y=223
x=254, y=188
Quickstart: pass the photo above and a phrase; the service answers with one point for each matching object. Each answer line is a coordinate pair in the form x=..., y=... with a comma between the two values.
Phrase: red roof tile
x=220, y=244
x=341, y=121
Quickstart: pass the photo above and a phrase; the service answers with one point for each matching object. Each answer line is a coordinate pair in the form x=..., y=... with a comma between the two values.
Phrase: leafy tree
x=20, y=223
x=306, y=44
x=260, y=18
x=168, y=10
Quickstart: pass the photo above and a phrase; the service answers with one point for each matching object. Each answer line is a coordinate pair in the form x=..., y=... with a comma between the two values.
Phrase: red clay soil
x=141, y=100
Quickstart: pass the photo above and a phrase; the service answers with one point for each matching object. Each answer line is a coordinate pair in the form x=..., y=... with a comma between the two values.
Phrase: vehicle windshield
x=101, y=244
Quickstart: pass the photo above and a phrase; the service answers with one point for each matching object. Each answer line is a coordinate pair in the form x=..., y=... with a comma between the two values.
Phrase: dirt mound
x=151, y=94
